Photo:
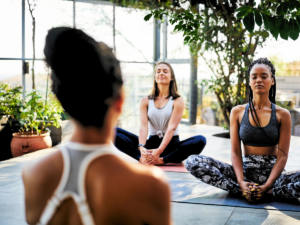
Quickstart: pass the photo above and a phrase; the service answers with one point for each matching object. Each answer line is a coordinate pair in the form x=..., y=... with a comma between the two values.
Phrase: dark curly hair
x=272, y=92
x=86, y=75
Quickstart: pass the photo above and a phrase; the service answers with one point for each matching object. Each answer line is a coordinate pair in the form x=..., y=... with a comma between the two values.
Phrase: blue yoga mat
x=201, y=193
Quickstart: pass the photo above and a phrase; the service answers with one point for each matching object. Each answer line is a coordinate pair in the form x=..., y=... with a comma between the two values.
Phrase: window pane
x=48, y=14
x=10, y=72
x=10, y=29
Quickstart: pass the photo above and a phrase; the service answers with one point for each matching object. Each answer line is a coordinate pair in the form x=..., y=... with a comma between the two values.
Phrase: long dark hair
x=173, y=90
x=272, y=92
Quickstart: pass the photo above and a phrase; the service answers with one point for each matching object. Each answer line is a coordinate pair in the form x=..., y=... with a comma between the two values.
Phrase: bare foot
x=143, y=161
x=159, y=161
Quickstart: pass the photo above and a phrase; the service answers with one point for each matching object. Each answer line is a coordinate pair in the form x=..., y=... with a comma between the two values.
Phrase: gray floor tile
x=243, y=216
x=180, y=176
x=194, y=214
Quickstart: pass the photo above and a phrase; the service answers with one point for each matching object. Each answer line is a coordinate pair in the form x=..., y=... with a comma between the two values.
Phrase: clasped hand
x=253, y=192
x=149, y=156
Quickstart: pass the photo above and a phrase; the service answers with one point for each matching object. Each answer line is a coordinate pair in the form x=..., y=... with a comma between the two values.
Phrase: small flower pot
x=26, y=142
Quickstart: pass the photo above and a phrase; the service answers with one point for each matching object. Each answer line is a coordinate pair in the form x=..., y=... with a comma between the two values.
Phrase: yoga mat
x=201, y=193
x=174, y=167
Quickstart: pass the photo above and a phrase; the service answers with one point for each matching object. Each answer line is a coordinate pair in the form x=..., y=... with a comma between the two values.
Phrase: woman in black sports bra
x=265, y=130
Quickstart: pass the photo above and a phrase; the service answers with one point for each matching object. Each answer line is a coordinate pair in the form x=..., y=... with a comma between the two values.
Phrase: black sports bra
x=256, y=136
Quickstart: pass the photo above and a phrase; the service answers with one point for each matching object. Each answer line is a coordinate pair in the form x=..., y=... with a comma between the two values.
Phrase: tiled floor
x=11, y=188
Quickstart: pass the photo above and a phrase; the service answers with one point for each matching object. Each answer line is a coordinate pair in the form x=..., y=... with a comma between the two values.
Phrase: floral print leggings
x=256, y=168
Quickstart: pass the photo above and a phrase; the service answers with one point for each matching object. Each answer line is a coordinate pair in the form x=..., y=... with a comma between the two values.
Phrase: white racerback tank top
x=159, y=118
x=77, y=157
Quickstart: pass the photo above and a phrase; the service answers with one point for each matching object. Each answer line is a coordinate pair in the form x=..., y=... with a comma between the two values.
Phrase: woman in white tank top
x=83, y=182
x=161, y=113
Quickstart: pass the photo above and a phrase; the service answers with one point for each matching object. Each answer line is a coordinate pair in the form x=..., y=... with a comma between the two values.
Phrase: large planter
x=26, y=142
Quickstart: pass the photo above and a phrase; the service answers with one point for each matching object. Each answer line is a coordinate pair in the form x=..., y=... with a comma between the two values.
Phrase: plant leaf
x=249, y=22
x=282, y=9
x=293, y=29
x=187, y=38
x=241, y=14
x=266, y=21
x=244, y=8
x=283, y=25
x=147, y=17
x=297, y=4
x=273, y=27
x=258, y=18
x=291, y=5
x=298, y=20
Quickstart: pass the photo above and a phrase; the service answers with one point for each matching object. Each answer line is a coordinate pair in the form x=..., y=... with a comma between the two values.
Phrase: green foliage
x=186, y=21
x=10, y=100
x=294, y=29
x=216, y=34
x=284, y=104
x=249, y=22
x=31, y=114
x=258, y=18
x=279, y=17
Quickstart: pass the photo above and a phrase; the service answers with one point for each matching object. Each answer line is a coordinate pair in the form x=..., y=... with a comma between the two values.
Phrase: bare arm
x=40, y=179
x=173, y=123
x=283, y=148
x=161, y=195
x=236, y=153
x=143, y=132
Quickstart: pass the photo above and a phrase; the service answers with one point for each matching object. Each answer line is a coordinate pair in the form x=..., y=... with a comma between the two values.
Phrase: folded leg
x=127, y=143
x=213, y=172
x=179, y=151
x=287, y=185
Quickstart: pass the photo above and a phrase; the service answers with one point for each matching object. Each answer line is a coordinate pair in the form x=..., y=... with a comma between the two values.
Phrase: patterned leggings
x=256, y=168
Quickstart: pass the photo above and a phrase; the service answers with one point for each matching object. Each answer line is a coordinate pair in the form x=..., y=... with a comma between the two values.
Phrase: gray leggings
x=256, y=168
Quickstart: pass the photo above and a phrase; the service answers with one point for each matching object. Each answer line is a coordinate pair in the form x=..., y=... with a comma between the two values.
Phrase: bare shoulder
x=179, y=101
x=237, y=110
x=145, y=100
x=40, y=179
x=282, y=113
x=39, y=171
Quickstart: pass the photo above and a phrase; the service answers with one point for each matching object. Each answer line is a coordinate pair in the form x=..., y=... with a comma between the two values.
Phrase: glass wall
x=133, y=42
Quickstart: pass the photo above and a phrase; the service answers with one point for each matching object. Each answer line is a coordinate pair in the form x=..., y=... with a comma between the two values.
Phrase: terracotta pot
x=23, y=143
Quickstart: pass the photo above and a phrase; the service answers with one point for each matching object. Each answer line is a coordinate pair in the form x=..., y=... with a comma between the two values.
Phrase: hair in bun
x=85, y=74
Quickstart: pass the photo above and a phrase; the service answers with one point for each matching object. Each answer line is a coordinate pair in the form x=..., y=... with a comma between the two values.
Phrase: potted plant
x=36, y=115
x=10, y=105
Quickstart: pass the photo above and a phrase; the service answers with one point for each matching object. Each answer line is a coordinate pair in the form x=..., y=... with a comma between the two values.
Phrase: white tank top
x=77, y=157
x=159, y=118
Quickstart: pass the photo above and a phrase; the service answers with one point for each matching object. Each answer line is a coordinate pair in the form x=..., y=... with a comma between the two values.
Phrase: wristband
x=141, y=145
